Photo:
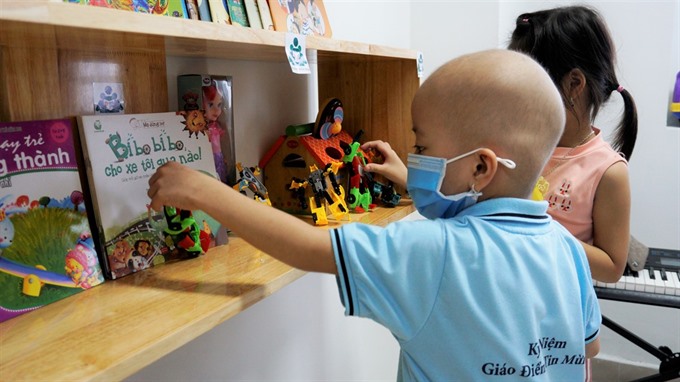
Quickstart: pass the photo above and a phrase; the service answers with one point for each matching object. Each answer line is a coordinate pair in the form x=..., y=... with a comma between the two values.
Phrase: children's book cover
x=218, y=11
x=306, y=17
x=192, y=9
x=204, y=10
x=253, y=13
x=46, y=247
x=237, y=12
x=265, y=15
x=175, y=8
x=210, y=97
x=142, y=6
x=121, y=153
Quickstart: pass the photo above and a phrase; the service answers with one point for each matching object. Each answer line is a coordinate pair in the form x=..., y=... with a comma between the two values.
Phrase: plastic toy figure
x=249, y=181
x=385, y=192
x=183, y=232
x=359, y=198
x=335, y=197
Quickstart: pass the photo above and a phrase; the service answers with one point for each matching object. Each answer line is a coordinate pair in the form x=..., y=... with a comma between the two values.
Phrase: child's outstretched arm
x=282, y=236
x=392, y=168
x=611, y=225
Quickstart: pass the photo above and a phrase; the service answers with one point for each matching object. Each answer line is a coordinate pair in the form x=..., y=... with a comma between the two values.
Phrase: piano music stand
x=670, y=362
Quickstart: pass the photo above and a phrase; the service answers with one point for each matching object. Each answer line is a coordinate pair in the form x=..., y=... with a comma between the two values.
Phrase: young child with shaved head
x=488, y=285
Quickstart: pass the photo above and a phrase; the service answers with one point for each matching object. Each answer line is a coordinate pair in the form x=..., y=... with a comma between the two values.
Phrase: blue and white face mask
x=425, y=177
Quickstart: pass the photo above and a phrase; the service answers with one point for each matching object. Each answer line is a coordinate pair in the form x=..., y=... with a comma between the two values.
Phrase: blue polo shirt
x=499, y=292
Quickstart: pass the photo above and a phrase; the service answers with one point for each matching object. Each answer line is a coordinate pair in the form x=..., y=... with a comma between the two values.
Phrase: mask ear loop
x=506, y=162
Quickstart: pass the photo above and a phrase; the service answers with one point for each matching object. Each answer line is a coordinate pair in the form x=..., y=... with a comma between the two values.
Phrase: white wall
x=300, y=333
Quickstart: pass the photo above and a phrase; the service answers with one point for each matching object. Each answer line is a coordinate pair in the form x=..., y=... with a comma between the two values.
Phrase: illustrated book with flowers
x=121, y=153
x=46, y=247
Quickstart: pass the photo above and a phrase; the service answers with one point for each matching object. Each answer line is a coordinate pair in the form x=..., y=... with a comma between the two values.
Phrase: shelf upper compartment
x=97, y=28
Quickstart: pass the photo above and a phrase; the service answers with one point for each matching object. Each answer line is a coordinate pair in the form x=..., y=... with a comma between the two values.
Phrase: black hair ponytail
x=576, y=37
x=626, y=131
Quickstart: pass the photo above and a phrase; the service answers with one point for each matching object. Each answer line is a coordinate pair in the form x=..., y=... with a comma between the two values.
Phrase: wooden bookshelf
x=56, y=48
x=50, y=53
x=117, y=328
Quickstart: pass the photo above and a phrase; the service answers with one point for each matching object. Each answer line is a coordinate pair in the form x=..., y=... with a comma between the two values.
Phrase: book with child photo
x=121, y=153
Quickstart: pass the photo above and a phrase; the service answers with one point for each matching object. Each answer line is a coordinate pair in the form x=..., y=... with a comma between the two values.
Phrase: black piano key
x=634, y=273
x=663, y=275
x=651, y=273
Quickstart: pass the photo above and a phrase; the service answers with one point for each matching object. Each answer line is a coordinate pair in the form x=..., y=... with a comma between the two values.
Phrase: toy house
x=291, y=156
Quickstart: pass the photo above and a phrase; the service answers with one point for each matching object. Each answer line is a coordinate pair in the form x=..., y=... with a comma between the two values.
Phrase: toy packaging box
x=46, y=247
x=209, y=98
x=121, y=153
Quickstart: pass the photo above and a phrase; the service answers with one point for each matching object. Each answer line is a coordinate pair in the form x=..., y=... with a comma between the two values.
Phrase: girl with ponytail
x=585, y=182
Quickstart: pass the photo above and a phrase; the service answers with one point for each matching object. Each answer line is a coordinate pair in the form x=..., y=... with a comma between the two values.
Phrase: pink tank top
x=573, y=176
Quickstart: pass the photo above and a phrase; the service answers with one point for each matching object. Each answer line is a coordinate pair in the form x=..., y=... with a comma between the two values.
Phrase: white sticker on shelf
x=419, y=63
x=296, y=53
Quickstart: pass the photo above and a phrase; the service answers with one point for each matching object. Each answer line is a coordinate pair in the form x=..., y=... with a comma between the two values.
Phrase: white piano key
x=649, y=283
x=675, y=278
x=658, y=283
x=610, y=285
x=668, y=285
x=639, y=282
x=629, y=282
x=621, y=284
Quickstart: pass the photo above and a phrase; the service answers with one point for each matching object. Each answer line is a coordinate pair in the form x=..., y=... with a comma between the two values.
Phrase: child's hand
x=178, y=186
x=392, y=167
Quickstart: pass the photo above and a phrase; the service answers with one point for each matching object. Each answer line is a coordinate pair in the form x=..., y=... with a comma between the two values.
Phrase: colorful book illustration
x=175, y=8
x=192, y=9
x=46, y=247
x=306, y=17
x=218, y=11
x=121, y=153
x=204, y=10
x=237, y=12
x=265, y=15
x=211, y=96
x=253, y=13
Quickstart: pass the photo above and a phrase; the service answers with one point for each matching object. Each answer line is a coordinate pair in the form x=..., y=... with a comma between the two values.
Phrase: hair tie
x=619, y=89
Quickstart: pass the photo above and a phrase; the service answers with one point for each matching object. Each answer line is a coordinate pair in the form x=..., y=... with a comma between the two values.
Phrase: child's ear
x=486, y=165
x=573, y=84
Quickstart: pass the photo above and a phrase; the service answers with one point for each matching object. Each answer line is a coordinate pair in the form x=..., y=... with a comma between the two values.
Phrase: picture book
x=204, y=10
x=218, y=11
x=175, y=8
x=265, y=15
x=121, y=153
x=306, y=17
x=253, y=14
x=192, y=9
x=210, y=97
x=46, y=247
x=237, y=12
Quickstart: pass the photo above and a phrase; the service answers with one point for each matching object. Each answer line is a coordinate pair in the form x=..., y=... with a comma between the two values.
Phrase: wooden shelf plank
x=115, y=329
x=103, y=28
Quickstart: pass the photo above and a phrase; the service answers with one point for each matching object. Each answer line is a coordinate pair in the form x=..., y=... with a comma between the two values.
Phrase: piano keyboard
x=657, y=284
